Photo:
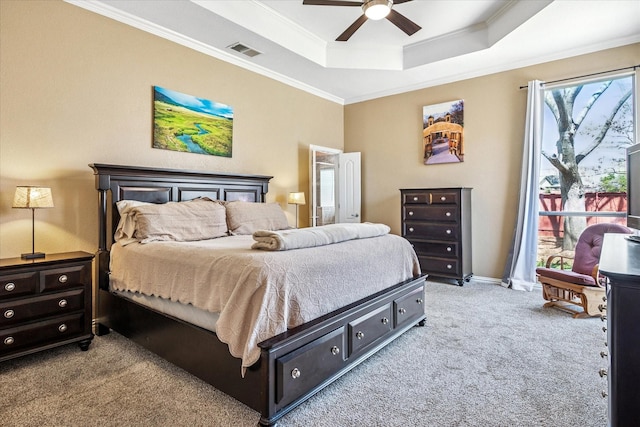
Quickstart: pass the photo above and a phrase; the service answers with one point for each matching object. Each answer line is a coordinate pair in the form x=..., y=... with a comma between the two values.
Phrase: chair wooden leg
x=567, y=297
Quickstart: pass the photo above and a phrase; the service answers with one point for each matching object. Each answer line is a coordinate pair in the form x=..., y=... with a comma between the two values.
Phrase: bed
x=279, y=372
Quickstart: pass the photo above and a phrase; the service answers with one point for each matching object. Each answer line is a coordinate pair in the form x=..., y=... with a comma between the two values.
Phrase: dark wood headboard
x=115, y=183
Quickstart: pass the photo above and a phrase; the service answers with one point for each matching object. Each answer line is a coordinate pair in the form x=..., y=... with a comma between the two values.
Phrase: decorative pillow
x=248, y=217
x=127, y=225
x=197, y=219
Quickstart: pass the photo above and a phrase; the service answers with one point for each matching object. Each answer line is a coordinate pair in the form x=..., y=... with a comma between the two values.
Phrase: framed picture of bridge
x=189, y=124
x=443, y=133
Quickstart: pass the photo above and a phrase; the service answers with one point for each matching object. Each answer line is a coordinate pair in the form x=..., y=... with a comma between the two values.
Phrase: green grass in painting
x=171, y=121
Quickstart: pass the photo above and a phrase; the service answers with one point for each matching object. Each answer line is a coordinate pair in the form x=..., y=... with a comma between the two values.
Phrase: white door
x=334, y=186
x=349, y=187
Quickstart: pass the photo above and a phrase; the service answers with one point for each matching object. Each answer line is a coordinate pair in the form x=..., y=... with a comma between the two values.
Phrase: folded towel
x=298, y=238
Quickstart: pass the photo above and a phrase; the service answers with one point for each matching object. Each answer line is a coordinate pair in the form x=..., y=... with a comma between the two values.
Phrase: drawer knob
x=410, y=213
x=63, y=278
x=443, y=198
x=359, y=335
x=411, y=229
x=295, y=373
x=384, y=320
x=449, y=249
x=9, y=314
x=402, y=310
x=415, y=199
x=9, y=286
x=448, y=231
x=602, y=372
x=449, y=266
x=9, y=340
x=62, y=303
x=448, y=214
x=419, y=300
x=335, y=350
x=62, y=328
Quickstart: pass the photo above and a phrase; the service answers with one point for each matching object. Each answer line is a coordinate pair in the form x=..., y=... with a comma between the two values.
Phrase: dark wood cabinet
x=620, y=263
x=437, y=222
x=45, y=303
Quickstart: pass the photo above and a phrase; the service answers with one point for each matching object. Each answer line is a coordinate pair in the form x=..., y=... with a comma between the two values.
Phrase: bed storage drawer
x=409, y=307
x=367, y=329
x=301, y=370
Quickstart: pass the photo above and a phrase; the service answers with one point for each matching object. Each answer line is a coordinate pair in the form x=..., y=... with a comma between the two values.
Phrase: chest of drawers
x=437, y=222
x=45, y=303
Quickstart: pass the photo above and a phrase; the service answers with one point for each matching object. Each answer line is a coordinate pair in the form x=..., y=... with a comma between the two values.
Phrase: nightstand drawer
x=40, y=307
x=57, y=329
x=15, y=285
x=67, y=277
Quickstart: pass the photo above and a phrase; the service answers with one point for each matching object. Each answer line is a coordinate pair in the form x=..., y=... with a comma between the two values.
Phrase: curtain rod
x=589, y=75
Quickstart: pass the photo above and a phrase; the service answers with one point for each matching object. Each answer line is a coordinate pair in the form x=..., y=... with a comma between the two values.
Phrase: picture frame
x=443, y=133
x=190, y=124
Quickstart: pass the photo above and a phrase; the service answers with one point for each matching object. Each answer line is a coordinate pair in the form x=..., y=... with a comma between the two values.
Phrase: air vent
x=244, y=49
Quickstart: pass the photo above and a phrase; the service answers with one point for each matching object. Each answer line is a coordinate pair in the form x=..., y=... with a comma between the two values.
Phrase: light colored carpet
x=488, y=356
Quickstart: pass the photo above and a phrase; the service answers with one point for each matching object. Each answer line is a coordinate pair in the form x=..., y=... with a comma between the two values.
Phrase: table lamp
x=32, y=197
x=296, y=199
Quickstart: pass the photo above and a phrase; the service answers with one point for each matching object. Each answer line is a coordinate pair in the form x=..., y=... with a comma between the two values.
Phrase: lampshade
x=32, y=197
x=377, y=9
x=296, y=199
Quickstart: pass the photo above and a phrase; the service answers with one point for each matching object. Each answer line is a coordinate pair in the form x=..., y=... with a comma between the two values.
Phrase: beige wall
x=76, y=88
x=388, y=133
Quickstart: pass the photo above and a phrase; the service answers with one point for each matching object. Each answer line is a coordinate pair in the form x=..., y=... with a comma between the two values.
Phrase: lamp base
x=33, y=255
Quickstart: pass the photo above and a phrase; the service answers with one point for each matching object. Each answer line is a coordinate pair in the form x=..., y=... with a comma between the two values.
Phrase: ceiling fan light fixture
x=377, y=9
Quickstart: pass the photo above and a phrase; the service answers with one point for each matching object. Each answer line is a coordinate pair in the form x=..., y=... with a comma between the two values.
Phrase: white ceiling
x=459, y=39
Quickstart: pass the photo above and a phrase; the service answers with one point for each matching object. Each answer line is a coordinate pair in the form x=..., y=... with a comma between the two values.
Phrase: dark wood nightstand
x=45, y=303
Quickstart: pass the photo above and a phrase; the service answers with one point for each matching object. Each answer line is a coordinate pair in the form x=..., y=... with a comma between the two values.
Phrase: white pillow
x=127, y=225
x=248, y=217
x=197, y=219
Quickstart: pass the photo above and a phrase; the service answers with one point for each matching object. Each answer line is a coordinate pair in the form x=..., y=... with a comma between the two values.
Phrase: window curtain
x=520, y=270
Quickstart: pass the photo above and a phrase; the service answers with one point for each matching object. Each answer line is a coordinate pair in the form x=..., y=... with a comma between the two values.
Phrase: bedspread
x=259, y=294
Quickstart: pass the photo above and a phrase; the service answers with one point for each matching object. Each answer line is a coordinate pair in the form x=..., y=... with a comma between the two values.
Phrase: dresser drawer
x=437, y=249
x=409, y=308
x=66, y=277
x=367, y=329
x=18, y=284
x=447, y=232
x=439, y=265
x=432, y=197
x=431, y=213
x=57, y=329
x=25, y=309
x=303, y=369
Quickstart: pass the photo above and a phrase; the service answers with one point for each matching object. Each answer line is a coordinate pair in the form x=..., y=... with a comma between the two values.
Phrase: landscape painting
x=189, y=124
x=443, y=133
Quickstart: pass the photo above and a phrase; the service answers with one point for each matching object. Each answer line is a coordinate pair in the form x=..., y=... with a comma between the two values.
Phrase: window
x=587, y=127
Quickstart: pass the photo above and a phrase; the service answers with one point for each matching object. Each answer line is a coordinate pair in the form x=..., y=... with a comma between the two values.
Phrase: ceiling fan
x=372, y=9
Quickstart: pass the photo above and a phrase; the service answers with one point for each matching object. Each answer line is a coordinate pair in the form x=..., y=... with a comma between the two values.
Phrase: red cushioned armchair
x=580, y=286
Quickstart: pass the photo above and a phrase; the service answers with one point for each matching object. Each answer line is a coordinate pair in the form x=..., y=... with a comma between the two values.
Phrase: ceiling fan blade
x=332, y=3
x=401, y=1
x=402, y=22
x=352, y=29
